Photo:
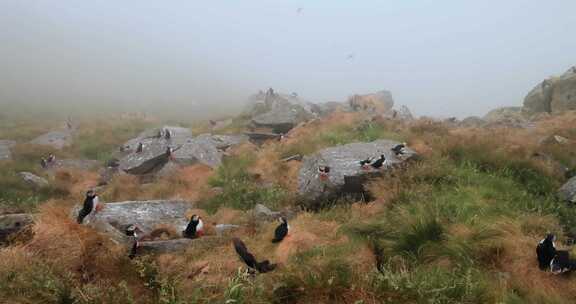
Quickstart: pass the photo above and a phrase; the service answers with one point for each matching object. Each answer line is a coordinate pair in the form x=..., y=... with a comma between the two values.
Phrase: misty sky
x=442, y=58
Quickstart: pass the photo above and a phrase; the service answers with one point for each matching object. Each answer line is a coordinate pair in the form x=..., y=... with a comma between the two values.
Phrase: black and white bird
x=281, y=231
x=195, y=228
x=399, y=149
x=379, y=162
x=139, y=148
x=249, y=259
x=546, y=251
x=131, y=232
x=366, y=161
x=89, y=207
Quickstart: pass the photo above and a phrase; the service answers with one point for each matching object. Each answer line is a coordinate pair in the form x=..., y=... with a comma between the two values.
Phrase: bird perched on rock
x=323, y=172
x=90, y=206
x=379, y=162
x=195, y=228
x=281, y=231
x=249, y=259
x=399, y=149
x=131, y=232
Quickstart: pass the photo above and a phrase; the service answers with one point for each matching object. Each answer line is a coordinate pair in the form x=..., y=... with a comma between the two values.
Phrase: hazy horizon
x=444, y=58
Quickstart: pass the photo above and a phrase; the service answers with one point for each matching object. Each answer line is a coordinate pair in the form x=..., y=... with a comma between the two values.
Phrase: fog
x=441, y=58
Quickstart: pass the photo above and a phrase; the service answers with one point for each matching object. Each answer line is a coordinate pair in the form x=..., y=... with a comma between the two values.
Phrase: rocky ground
x=454, y=219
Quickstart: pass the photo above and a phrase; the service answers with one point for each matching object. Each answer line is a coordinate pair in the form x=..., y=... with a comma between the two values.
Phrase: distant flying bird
x=350, y=56
x=299, y=10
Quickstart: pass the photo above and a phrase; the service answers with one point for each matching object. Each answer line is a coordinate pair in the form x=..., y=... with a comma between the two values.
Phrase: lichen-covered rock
x=12, y=223
x=346, y=175
x=206, y=149
x=280, y=112
x=152, y=157
x=177, y=137
x=147, y=215
x=553, y=95
x=568, y=191
x=34, y=181
x=5, y=146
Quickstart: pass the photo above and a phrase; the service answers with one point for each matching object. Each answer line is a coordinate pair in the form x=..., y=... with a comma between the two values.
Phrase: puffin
x=89, y=206
x=131, y=232
x=139, y=148
x=249, y=259
x=399, y=149
x=365, y=163
x=195, y=228
x=546, y=251
x=323, y=172
x=281, y=231
x=379, y=162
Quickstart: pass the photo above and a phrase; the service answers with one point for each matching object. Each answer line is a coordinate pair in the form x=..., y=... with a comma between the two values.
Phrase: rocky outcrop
x=553, y=95
x=261, y=137
x=177, y=137
x=207, y=149
x=34, y=181
x=5, y=146
x=568, y=191
x=262, y=212
x=12, y=223
x=346, y=175
x=377, y=103
x=280, y=112
x=402, y=113
x=472, y=122
x=506, y=117
x=152, y=157
x=55, y=139
x=147, y=215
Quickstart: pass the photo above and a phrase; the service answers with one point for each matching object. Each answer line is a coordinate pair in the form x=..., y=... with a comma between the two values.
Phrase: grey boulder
x=553, y=95
x=568, y=191
x=34, y=181
x=55, y=139
x=346, y=175
x=280, y=112
x=207, y=149
x=153, y=157
x=144, y=214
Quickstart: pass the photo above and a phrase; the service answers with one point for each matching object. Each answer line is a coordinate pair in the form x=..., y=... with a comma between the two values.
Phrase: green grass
x=240, y=189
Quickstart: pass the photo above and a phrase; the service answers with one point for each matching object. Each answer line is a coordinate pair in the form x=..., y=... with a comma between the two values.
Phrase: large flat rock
x=152, y=157
x=146, y=214
x=55, y=139
x=207, y=149
x=34, y=181
x=346, y=174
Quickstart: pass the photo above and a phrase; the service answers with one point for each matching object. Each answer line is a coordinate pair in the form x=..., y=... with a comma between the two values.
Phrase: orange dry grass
x=58, y=240
x=519, y=261
x=269, y=167
x=75, y=181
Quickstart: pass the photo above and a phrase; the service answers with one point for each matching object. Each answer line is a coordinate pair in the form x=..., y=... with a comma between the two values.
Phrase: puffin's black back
x=281, y=232
x=190, y=231
x=545, y=252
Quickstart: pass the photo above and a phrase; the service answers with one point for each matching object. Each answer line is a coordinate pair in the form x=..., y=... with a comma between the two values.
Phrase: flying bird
x=350, y=56
x=299, y=10
x=249, y=259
